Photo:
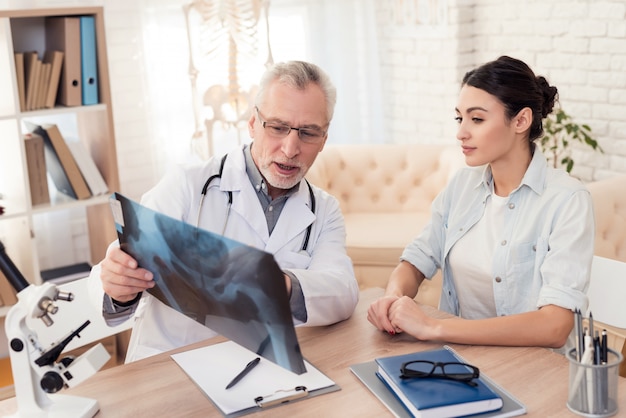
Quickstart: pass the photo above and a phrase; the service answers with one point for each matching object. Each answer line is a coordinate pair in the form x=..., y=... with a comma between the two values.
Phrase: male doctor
x=256, y=195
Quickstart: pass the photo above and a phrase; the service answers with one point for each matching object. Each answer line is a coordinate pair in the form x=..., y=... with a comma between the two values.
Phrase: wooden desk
x=156, y=386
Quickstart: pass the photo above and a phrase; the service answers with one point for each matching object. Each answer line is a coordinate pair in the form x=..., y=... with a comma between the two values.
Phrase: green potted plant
x=560, y=131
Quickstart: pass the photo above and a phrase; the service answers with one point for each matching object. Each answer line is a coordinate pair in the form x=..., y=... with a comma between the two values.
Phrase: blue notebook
x=436, y=398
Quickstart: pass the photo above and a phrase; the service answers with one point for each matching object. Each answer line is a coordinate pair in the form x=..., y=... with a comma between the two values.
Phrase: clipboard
x=266, y=386
x=366, y=373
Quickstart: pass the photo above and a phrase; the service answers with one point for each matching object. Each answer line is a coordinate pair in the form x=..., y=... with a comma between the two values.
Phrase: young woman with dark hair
x=512, y=236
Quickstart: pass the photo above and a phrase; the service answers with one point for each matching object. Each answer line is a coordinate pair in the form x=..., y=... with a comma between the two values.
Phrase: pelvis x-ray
x=234, y=289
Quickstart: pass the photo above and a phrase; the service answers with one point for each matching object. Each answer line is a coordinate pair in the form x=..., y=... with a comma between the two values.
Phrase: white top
x=471, y=261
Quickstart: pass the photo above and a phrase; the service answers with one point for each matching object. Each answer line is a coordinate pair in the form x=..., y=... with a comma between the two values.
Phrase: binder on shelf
x=37, y=174
x=88, y=59
x=21, y=83
x=88, y=168
x=55, y=58
x=63, y=34
x=60, y=163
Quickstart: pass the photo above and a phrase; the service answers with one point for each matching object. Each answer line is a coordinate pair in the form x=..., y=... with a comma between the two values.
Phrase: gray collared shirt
x=272, y=210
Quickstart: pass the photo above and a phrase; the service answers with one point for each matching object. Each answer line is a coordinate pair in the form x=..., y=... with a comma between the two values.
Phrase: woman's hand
x=406, y=315
x=378, y=313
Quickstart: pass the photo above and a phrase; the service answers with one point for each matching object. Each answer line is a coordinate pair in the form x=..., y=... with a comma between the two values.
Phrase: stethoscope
x=307, y=235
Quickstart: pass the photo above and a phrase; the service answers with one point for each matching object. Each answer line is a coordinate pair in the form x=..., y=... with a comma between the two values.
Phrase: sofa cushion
x=378, y=239
x=385, y=178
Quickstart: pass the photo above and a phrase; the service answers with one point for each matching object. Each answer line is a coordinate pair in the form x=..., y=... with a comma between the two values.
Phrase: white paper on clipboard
x=213, y=367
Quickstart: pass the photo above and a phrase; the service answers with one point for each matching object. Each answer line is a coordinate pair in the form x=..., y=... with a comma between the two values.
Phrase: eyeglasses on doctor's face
x=461, y=372
x=276, y=130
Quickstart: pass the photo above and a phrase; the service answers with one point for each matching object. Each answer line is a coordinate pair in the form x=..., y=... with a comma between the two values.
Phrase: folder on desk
x=88, y=60
x=63, y=34
x=366, y=373
x=211, y=368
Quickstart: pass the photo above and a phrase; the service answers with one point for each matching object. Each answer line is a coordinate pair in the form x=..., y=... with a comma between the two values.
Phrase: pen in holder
x=593, y=387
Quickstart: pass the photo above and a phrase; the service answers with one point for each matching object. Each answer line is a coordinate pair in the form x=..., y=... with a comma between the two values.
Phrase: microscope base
x=63, y=406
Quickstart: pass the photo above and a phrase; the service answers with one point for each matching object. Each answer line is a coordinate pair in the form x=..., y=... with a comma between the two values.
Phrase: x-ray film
x=234, y=289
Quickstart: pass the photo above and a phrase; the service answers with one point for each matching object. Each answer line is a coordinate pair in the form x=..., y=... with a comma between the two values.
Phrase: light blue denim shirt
x=545, y=254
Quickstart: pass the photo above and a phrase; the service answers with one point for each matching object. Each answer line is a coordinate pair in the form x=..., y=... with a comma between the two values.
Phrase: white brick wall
x=579, y=46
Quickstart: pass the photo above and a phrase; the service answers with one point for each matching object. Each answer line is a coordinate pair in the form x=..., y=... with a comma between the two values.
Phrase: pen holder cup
x=593, y=387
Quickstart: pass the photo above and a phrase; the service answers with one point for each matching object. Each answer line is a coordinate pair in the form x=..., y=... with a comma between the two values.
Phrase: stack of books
x=69, y=164
x=434, y=397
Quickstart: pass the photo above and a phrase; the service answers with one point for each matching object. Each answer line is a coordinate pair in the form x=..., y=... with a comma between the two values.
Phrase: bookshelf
x=32, y=233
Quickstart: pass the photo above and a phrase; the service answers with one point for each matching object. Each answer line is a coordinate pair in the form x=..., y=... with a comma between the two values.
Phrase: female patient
x=513, y=237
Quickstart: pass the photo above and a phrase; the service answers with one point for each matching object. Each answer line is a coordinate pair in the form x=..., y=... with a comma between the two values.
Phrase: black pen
x=605, y=348
x=244, y=372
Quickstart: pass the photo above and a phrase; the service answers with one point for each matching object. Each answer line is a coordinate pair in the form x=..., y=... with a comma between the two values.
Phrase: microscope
x=37, y=371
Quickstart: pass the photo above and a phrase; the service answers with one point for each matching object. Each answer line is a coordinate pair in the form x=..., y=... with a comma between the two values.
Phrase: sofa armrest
x=609, y=205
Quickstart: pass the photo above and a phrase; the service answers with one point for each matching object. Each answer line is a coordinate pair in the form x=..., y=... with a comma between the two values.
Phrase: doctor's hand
x=121, y=279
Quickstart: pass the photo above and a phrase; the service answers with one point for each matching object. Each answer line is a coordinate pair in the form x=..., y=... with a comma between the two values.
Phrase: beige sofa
x=609, y=201
x=385, y=193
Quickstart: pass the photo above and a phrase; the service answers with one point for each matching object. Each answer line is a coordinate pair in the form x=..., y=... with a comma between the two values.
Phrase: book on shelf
x=37, y=173
x=63, y=34
x=32, y=67
x=66, y=274
x=60, y=163
x=55, y=59
x=434, y=397
x=21, y=83
x=87, y=166
x=44, y=80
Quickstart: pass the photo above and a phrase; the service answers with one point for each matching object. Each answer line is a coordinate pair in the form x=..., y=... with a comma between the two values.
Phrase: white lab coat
x=325, y=272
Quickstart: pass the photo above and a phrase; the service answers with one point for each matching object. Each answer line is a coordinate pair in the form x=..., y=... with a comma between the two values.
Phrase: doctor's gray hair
x=299, y=74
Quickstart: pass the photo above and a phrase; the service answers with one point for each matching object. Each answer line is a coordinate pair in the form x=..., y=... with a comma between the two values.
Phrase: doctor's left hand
x=121, y=278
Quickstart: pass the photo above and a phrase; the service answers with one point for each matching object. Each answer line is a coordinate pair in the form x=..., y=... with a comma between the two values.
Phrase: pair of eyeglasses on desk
x=460, y=372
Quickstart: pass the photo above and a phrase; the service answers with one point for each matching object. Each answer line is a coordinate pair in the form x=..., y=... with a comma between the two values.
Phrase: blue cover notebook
x=432, y=397
x=88, y=60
